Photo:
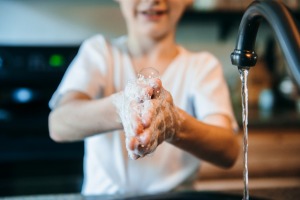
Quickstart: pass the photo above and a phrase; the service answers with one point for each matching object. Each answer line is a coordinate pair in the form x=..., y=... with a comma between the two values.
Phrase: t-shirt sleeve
x=209, y=90
x=86, y=73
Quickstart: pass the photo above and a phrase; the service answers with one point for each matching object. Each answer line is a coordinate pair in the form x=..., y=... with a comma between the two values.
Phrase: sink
x=190, y=195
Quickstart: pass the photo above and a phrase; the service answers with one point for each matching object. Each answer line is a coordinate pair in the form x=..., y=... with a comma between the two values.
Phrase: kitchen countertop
x=291, y=193
x=278, y=118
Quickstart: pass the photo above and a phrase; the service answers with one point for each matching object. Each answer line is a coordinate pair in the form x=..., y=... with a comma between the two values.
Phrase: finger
x=137, y=125
x=168, y=97
x=146, y=118
x=144, y=93
x=156, y=84
x=133, y=156
x=132, y=143
x=145, y=137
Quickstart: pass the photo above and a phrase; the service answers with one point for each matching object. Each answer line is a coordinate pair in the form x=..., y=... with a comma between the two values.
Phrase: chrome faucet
x=285, y=29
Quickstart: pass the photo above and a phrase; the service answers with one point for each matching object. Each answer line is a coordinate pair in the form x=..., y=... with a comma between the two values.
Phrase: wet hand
x=151, y=117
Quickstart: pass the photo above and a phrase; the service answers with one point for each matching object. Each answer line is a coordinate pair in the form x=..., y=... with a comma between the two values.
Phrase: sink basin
x=186, y=195
x=191, y=195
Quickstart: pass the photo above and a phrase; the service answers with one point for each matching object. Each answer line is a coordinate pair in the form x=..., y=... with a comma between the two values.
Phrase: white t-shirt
x=103, y=67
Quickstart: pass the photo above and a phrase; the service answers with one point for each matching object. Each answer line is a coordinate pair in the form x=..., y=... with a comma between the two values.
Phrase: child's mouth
x=153, y=14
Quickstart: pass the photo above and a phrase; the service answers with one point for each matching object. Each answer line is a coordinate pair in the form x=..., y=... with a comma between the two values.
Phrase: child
x=193, y=103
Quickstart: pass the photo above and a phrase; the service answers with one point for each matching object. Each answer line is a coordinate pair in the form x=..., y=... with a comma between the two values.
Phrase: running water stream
x=244, y=75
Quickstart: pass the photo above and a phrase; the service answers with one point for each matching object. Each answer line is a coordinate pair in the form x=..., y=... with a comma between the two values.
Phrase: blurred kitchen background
x=38, y=39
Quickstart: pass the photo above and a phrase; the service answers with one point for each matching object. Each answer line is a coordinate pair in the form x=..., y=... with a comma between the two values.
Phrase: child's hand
x=149, y=117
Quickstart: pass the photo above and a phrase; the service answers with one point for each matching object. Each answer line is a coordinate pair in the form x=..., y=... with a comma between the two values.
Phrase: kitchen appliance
x=30, y=161
x=28, y=77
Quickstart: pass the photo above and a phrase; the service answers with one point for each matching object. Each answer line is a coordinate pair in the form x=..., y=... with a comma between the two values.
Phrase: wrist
x=117, y=107
x=179, y=126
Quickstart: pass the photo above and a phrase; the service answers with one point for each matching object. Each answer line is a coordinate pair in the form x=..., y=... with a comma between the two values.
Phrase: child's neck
x=151, y=53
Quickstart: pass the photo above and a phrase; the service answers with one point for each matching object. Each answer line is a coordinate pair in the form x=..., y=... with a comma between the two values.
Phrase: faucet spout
x=285, y=30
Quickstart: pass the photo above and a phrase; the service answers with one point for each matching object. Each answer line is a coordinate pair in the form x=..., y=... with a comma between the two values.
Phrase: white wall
x=57, y=21
x=71, y=21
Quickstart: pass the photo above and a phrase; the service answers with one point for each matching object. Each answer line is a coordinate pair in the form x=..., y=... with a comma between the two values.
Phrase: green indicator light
x=56, y=60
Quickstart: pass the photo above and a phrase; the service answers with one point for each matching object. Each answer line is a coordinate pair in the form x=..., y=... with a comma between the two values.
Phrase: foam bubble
x=148, y=73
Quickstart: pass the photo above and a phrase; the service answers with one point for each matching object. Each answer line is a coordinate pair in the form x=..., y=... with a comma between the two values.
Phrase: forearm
x=214, y=144
x=81, y=118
